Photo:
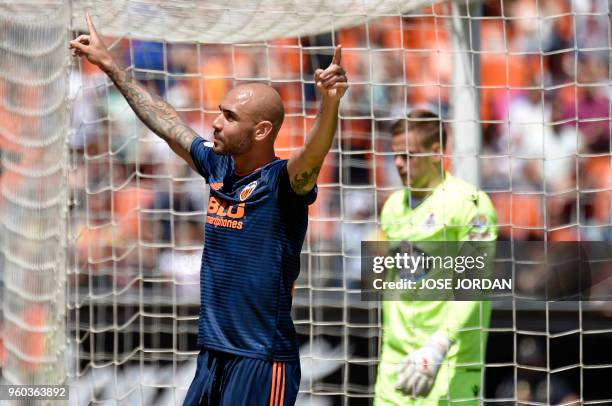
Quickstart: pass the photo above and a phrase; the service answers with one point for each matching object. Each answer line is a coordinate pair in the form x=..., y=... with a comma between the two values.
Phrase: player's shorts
x=231, y=380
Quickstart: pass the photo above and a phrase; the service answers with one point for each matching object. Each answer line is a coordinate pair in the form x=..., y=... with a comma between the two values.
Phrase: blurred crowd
x=544, y=109
x=137, y=212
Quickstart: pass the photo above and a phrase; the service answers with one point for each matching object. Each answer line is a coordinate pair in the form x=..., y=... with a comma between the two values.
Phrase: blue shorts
x=231, y=380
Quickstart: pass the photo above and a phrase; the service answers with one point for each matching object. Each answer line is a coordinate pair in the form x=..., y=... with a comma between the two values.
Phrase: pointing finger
x=337, y=55
x=92, y=29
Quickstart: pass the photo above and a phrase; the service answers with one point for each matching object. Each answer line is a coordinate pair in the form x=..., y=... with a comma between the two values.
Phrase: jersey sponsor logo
x=223, y=214
x=248, y=189
x=216, y=185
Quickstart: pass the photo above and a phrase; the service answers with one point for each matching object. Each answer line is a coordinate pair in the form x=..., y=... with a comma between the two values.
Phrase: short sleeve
x=286, y=190
x=201, y=156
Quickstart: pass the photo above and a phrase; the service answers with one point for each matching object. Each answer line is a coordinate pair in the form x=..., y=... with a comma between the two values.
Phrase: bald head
x=260, y=102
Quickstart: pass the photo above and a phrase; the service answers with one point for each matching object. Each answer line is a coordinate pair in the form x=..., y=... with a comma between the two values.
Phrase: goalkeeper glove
x=417, y=372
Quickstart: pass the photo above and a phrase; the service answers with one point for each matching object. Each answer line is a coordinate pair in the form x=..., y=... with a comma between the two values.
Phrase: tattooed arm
x=155, y=113
x=305, y=164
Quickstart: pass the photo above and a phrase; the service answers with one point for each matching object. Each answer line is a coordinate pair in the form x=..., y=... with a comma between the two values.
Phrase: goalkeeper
x=432, y=351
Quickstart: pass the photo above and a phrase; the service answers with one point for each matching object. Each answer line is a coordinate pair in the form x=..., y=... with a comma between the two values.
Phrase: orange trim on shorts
x=278, y=383
x=273, y=386
x=282, y=391
x=277, y=390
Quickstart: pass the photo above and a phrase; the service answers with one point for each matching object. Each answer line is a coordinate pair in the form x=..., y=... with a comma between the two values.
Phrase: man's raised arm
x=304, y=165
x=155, y=113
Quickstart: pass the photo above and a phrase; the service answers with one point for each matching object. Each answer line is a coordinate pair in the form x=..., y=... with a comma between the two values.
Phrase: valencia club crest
x=248, y=189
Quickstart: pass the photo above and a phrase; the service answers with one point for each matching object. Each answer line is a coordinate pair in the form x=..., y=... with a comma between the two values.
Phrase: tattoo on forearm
x=303, y=182
x=154, y=112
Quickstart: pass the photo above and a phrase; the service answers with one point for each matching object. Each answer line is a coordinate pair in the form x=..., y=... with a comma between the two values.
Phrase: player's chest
x=232, y=206
x=424, y=223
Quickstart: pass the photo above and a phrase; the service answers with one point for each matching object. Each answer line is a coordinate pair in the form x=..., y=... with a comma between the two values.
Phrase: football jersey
x=454, y=211
x=255, y=227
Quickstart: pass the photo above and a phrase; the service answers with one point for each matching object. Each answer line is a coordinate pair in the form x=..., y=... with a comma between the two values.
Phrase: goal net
x=102, y=226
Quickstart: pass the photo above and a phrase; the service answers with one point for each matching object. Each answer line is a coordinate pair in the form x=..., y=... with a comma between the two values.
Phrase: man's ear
x=436, y=150
x=262, y=130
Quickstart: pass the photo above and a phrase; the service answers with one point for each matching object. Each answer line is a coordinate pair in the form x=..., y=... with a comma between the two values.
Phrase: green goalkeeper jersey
x=454, y=211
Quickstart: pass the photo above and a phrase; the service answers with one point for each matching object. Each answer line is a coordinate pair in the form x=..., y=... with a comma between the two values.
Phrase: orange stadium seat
x=520, y=216
x=126, y=203
x=596, y=173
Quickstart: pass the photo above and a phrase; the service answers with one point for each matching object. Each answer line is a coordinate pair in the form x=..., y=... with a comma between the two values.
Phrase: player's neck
x=245, y=164
x=428, y=186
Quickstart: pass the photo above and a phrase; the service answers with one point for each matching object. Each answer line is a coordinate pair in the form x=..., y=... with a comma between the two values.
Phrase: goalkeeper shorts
x=224, y=379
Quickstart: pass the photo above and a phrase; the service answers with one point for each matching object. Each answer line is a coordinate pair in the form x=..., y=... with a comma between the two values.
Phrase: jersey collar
x=241, y=175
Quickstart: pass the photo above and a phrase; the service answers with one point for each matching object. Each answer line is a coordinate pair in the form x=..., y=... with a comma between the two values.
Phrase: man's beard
x=232, y=149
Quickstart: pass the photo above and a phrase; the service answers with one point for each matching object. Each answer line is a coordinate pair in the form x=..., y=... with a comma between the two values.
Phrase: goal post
x=34, y=123
x=465, y=101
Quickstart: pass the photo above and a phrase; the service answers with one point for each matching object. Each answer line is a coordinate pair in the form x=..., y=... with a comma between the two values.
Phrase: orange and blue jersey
x=254, y=232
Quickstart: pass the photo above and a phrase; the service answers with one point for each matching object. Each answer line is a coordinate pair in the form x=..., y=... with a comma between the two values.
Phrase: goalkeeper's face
x=416, y=163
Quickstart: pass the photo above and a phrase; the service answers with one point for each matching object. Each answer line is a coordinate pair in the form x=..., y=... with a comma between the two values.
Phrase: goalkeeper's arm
x=155, y=113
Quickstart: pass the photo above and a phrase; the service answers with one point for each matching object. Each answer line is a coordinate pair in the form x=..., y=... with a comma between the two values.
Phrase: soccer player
x=432, y=351
x=256, y=223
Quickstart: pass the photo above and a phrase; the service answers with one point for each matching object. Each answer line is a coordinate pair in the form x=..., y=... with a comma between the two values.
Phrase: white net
x=539, y=144
x=216, y=21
